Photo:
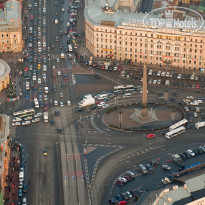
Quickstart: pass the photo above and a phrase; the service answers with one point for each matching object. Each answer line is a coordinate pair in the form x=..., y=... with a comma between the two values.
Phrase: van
x=150, y=72
x=142, y=168
x=56, y=21
x=68, y=103
x=21, y=176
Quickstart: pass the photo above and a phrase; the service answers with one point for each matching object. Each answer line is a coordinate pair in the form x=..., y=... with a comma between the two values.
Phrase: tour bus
x=70, y=48
x=123, y=88
x=36, y=103
x=24, y=113
x=178, y=124
x=175, y=132
x=27, y=85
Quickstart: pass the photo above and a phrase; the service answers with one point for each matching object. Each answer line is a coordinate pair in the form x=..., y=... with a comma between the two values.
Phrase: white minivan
x=21, y=176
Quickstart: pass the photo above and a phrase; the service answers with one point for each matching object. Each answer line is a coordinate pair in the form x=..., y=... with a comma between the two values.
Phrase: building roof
x=95, y=13
x=4, y=70
x=10, y=17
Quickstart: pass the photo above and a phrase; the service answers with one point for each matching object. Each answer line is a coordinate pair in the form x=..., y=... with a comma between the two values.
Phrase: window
x=2, y=35
x=14, y=36
x=7, y=35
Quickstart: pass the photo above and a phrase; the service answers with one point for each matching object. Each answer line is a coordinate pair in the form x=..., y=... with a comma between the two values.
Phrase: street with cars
x=53, y=143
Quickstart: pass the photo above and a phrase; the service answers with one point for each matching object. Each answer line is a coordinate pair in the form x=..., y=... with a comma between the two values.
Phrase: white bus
x=70, y=48
x=24, y=113
x=175, y=132
x=178, y=124
x=27, y=85
x=36, y=103
x=124, y=88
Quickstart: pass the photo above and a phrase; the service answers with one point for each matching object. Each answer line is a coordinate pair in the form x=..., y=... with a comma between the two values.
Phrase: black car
x=183, y=156
x=97, y=76
x=52, y=122
x=59, y=130
x=124, y=196
x=57, y=113
x=63, y=85
x=187, y=154
x=25, y=188
x=54, y=88
x=79, y=109
x=112, y=201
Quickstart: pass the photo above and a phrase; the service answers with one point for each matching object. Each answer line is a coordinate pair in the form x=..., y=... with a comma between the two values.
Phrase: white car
x=28, y=118
x=59, y=73
x=105, y=106
x=167, y=74
x=190, y=97
x=58, y=60
x=39, y=80
x=154, y=82
x=150, y=72
x=101, y=104
x=26, y=122
x=150, y=81
x=44, y=44
x=20, y=185
x=159, y=73
x=122, y=179
x=179, y=76
x=44, y=76
x=163, y=74
x=16, y=124
x=61, y=104
x=35, y=120
x=34, y=78
x=17, y=119
x=44, y=68
x=191, y=152
x=195, y=114
x=128, y=194
x=55, y=102
x=39, y=114
x=24, y=201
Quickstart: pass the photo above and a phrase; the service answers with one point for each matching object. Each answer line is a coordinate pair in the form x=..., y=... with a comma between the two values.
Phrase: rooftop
x=10, y=17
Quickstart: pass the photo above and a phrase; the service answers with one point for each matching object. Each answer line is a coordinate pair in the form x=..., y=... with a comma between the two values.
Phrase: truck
x=62, y=55
x=45, y=116
x=87, y=102
x=56, y=21
x=199, y=125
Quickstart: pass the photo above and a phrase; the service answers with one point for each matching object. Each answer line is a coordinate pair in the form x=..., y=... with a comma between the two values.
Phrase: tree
x=11, y=91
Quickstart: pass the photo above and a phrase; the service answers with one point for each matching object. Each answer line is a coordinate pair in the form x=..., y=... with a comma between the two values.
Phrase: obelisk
x=144, y=91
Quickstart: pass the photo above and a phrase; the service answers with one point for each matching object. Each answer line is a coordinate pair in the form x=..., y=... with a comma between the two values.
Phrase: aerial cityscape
x=102, y=102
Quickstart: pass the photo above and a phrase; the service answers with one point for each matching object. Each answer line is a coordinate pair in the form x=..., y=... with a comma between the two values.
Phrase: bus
x=70, y=48
x=24, y=113
x=178, y=124
x=123, y=88
x=175, y=132
x=36, y=103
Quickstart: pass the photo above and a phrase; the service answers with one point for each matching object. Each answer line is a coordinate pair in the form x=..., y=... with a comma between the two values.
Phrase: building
x=190, y=193
x=190, y=1
x=4, y=151
x=10, y=27
x=122, y=34
x=4, y=75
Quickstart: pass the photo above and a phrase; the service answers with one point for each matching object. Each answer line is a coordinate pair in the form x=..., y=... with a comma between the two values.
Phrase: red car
x=26, y=69
x=197, y=86
x=149, y=136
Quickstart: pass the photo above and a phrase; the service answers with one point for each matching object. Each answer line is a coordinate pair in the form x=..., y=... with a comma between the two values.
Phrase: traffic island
x=122, y=118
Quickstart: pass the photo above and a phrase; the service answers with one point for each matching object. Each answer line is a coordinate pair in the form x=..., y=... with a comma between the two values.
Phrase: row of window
x=7, y=35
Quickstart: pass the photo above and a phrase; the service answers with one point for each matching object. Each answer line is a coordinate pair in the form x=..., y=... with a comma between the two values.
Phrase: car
x=59, y=130
x=35, y=120
x=57, y=113
x=61, y=104
x=24, y=201
x=149, y=136
x=39, y=114
x=55, y=102
x=112, y=201
x=128, y=178
x=202, y=148
x=20, y=185
x=61, y=95
x=149, y=167
x=130, y=174
x=166, y=167
x=58, y=60
x=20, y=194
x=118, y=197
x=191, y=152
x=79, y=109
x=59, y=73
x=34, y=78
x=52, y=122
x=165, y=180
x=26, y=122
x=124, y=196
x=39, y=80
x=45, y=153
x=44, y=76
x=101, y=104
x=25, y=188
x=128, y=194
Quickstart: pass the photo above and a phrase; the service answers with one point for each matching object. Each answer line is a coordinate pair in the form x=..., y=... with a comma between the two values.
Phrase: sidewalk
x=11, y=190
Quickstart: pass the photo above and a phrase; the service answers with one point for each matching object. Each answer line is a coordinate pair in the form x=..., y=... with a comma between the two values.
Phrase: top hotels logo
x=174, y=18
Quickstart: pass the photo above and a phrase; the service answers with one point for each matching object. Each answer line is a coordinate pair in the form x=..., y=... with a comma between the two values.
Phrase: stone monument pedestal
x=138, y=117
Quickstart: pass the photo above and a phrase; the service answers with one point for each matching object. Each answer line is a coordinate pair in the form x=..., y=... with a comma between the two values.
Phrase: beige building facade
x=11, y=28
x=109, y=37
x=4, y=75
